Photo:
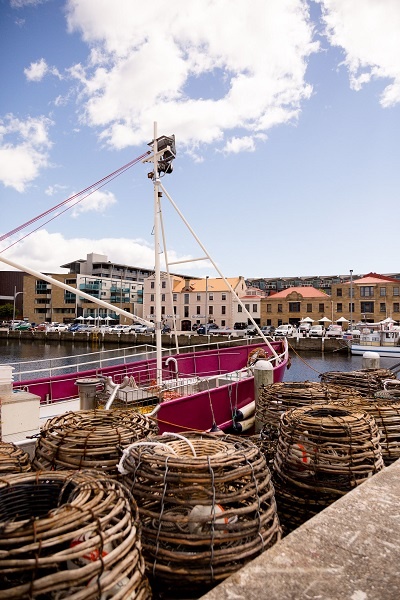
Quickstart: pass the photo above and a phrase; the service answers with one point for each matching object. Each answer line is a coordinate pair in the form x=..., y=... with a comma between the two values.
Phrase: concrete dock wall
x=350, y=551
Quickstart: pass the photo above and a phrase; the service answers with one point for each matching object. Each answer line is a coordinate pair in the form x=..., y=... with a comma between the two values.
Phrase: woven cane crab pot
x=277, y=398
x=89, y=439
x=13, y=459
x=69, y=535
x=322, y=453
x=206, y=504
x=386, y=413
x=365, y=381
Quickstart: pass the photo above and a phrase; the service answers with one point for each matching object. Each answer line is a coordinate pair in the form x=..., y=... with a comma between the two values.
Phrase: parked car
x=121, y=329
x=284, y=330
x=41, y=327
x=144, y=329
x=57, y=327
x=251, y=330
x=240, y=325
x=203, y=329
x=335, y=331
x=24, y=326
x=304, y=327
x=316, y=331
x=268, y=329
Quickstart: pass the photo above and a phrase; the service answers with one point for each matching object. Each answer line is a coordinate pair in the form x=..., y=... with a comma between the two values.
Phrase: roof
x=373, y=278
x=304, y=291
x=209, y=284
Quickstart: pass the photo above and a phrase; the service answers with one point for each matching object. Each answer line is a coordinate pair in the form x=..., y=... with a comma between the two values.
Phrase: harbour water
x=306, y=366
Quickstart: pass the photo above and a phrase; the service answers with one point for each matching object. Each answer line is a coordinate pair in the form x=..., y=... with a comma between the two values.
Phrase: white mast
x=157, y=273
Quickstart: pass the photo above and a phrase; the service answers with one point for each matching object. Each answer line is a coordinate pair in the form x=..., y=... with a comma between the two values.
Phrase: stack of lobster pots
x=323, y=452
x=206, y=504
x=13, y=459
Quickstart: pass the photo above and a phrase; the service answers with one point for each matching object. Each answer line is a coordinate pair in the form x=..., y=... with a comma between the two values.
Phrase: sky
x=286, y=115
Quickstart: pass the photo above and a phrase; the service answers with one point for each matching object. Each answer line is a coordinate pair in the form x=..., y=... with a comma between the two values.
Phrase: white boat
x=382, y=338
x=198, y=390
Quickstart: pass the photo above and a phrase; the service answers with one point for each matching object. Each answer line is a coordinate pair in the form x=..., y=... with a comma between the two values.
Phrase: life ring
x=255, y=355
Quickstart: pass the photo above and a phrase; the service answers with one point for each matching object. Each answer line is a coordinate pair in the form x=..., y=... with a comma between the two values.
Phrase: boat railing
x=26, y=370
x=82, y=362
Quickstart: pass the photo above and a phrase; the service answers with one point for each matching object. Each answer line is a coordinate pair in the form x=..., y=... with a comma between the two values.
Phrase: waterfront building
x=295, y=303
x=196, y=301
x=368, y=299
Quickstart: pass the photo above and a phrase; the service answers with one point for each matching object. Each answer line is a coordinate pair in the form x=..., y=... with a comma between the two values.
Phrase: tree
x=6, y=311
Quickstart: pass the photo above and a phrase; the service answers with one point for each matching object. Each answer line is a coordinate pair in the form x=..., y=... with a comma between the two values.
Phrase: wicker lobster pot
x=69, y=535
x=89, y=439
x=277, y=398
x=206, y=505
x=365, y=381
x=13, y=459
x=386, y=412
x=323, y=452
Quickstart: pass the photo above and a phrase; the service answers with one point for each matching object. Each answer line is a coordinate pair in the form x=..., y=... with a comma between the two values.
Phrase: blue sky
x=287, y=122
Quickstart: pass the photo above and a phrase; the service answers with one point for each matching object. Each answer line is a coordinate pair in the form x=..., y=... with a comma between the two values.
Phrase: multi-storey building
x=195, y=301
x=370, y=298
x=293, y=304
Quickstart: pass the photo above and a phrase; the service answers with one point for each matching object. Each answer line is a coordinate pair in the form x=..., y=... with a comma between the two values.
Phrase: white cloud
x=98, y=201
x=22, y=3
x=45, y=252
x=23, y=150
x=38, y=70
x=147, y=58
x=236, y=145
x=369, y=33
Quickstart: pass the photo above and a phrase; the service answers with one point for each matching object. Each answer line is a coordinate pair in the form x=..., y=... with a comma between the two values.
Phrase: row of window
x=367, y=291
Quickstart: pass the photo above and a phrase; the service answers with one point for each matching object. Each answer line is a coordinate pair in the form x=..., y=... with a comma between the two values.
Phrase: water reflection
x=306, y=366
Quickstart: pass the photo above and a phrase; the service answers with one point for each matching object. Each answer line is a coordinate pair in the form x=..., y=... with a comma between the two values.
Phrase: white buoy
x=371, y=360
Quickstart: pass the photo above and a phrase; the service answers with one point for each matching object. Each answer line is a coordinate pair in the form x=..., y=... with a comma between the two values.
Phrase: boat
x=211, y=388
x=382, y=338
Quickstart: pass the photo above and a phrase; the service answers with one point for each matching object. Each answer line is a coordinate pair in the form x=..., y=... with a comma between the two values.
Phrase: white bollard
x=371, y=360
x=263, y=375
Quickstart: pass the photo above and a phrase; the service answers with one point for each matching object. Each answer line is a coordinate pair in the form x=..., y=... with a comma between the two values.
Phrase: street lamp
x=351, y=299
x=15, y=297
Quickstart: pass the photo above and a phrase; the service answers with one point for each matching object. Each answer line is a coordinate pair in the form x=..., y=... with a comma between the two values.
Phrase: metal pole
x=157, y=270
x=351, y=299
x=206, y=315
x=15, y=295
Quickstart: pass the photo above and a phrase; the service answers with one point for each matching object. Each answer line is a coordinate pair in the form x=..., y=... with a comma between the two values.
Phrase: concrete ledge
x=350, y=551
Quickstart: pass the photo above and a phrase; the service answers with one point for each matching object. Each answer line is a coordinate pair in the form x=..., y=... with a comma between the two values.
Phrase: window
x=151, y=297
x=164, y=284
x=186, y=299
x=351, y=292
x=269, y=308
x=367, y=307
x=210, y=310
x=294, y=306
x=395, y=291
x=382, y=307
x=309, y=308
x=280, y=308
x=247, y=307
x=198, y=298
x=162, y=297
x=175, y=297
x=163, y=310
x=223, y=323
x=152, y=285
x=396, y=306
x=198, y=310
x=382, y=291
x=366, y=291
x=211, y=296
x=186, y=311
x=321, y=308
x=339, y=292
x=339, y=307
x=152, y=310
x=351, y=307
x=223, y=310
x=240, y=309
x=223, y=297
x=255, y=308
